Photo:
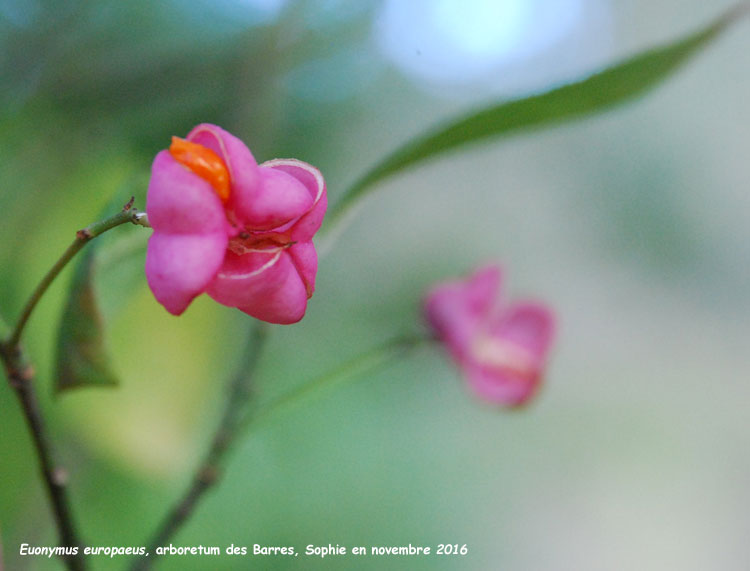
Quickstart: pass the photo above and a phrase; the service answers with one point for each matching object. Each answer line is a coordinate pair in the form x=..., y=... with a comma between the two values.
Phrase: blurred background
x=634, y=225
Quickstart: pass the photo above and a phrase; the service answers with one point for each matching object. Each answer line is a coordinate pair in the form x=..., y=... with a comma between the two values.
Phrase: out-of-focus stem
x=207, y=474
x=236, y=418
x=365, y=363
x=21, y=377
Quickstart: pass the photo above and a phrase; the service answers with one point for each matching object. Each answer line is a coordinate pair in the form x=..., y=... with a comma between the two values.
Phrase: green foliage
x=82, y=358
x=4, y=328
x=615, y=84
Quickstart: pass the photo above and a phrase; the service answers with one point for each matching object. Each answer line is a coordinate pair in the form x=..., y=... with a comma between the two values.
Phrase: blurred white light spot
x=444, y=42
x=479, y=28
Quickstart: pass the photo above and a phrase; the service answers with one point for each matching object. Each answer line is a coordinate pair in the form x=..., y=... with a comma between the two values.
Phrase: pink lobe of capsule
x=501, y=350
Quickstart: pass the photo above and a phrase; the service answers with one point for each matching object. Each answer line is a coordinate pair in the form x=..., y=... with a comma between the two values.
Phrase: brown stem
x=236, y=420
x=207, y=475
x=21, y=378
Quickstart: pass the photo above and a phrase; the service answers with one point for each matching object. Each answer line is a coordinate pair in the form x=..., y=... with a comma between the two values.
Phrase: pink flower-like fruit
x=238, y=231
x=502, y=351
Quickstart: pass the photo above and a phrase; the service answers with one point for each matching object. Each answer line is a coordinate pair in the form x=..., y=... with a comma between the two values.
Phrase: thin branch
x=236, y=420
x=21, y=377
x=209, y=471
x=127, y=214
x=354, y=368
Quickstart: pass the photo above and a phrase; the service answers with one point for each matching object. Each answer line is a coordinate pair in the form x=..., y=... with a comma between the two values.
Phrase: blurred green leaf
x=82, y=358
x=119, y=270
x=4, y=328
x=604, y=89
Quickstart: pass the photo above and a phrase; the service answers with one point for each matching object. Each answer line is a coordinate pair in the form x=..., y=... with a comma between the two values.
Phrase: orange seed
x=203, y=162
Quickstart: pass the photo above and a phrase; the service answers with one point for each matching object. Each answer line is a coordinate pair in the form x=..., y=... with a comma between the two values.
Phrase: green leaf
x=615, y=84
x=82, y=358
x=106, y=272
